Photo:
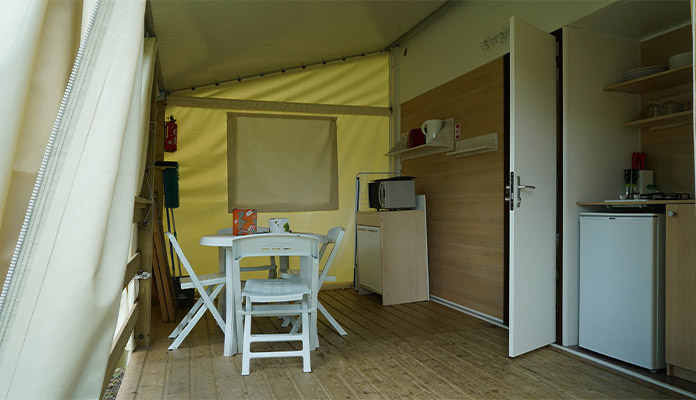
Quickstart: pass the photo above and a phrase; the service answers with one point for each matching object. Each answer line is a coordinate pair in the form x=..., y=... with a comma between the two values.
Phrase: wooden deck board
x=132, y=375
x=409, y=351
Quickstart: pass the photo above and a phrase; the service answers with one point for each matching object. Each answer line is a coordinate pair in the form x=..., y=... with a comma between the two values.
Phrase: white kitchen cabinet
x=370, y=258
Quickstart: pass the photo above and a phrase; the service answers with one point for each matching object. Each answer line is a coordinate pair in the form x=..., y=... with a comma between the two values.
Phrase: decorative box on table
x=244, y=221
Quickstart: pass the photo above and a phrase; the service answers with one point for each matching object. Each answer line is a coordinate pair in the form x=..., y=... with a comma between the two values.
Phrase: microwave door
x=383, y=195
x=397, y=194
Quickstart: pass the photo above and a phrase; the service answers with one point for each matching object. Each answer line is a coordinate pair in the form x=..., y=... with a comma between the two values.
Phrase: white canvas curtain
x=40, y=39
x=58, y=318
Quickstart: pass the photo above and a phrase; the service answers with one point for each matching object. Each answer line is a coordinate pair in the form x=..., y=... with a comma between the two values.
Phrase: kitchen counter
x=632, y=202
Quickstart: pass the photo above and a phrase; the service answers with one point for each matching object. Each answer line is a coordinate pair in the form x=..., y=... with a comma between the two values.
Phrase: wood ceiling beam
x=288, y=107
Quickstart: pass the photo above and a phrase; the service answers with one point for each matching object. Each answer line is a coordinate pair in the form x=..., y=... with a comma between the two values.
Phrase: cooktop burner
x=666, y=196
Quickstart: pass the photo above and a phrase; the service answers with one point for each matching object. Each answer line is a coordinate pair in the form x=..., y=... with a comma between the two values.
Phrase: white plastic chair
x=208, y=286
x=272, y=268
x=335, y=236
x=275, y=293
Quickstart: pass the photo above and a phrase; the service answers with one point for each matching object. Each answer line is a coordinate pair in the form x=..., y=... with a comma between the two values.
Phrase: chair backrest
x=271, y=267
x=230, y=231
x=280, y=244
x=331, y=238
x=334, y=236
x=180, y=254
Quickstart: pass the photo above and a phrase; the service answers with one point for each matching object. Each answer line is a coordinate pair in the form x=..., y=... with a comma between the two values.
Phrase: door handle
x=671, y=213
x=510, y=191
x=519, y=187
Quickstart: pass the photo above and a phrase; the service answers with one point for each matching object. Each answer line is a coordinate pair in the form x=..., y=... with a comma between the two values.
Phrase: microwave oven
x=393, y=193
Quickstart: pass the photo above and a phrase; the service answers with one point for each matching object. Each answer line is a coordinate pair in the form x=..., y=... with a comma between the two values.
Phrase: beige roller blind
x=281, y=162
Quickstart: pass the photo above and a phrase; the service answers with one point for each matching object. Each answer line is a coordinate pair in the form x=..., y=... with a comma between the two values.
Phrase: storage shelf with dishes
x=651, y=83
x=442, y=143
x=660, y=81
x=664, y=121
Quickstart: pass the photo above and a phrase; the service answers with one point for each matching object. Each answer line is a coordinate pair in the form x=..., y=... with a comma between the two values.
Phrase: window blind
x=281, y=162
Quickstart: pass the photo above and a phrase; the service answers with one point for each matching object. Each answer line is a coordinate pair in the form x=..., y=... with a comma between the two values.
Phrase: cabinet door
x=680, y=286
x=404, y=257
x=369, y=258
x=532, y=246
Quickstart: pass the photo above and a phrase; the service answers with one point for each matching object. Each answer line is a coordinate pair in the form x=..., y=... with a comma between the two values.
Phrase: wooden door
x=532, y=183
x=680, y=286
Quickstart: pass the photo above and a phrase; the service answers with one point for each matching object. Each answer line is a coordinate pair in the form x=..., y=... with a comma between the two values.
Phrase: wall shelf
x=476, y=145
x=632, y=202
x=664, y=121
x=443, y=142
x=651, y=83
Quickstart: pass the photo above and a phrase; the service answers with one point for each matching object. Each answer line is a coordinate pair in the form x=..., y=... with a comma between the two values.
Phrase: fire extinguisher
x=170, y=138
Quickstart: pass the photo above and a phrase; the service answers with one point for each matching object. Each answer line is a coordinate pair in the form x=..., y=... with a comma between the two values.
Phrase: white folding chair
x=276, y=293
x=272, y=268
x=335, y=236
x=208, y=286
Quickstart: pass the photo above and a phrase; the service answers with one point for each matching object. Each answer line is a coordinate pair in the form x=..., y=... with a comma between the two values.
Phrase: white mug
x=277, y=225
x=431, y=128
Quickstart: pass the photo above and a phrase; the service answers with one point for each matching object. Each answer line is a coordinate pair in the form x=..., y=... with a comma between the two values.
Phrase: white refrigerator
x=622, y=287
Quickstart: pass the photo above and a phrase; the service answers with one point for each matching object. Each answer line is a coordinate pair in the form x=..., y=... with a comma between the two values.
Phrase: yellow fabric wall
x=362, y=143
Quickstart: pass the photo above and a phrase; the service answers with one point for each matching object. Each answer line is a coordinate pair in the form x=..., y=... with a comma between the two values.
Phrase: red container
x=415, y=138
x=244, y=221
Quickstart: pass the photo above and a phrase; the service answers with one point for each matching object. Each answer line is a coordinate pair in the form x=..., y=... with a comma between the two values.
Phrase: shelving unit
x=651, y=83
x=632, y=202
x=443, y=142
x=664, y=121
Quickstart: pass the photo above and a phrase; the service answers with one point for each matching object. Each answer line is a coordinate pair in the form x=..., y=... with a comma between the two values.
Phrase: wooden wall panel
x=657, y=51
x=464, y=195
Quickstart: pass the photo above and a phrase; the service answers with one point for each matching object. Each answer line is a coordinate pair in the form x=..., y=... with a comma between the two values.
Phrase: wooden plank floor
x=411, y=351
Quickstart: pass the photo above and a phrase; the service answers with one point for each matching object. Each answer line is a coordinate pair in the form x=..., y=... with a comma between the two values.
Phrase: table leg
x=230, y=347
x=284, y=264
x=235, y=300
x=221, y=269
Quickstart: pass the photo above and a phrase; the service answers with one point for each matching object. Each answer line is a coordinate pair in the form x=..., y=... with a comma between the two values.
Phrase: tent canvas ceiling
x=201, y=42
x=636, y=19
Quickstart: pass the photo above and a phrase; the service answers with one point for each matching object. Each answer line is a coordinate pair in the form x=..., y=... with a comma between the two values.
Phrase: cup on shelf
x=672, y=107
x=431, y=128
x=415, y=138
x=655, y=110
